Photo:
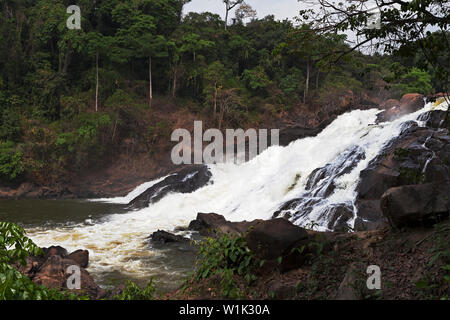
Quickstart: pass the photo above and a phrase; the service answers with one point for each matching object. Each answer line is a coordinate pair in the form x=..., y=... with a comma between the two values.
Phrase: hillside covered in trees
x=77, y=99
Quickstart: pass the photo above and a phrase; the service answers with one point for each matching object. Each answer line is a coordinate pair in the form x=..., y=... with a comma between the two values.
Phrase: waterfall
x=302, y=181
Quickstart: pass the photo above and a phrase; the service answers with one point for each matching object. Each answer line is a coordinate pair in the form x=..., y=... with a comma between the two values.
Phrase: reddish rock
x=53, y=274
x=55, y=251
x=390, y=103
x=409, y=103
x=81, y=257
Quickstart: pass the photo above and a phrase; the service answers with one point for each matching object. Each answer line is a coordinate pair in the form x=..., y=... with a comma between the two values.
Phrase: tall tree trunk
x=215, y=100
x=96, y=84
x=226, y=17
x=174, y=86
x=150, y=89
x=317, y=80
x=307, y=83
x=68, y=57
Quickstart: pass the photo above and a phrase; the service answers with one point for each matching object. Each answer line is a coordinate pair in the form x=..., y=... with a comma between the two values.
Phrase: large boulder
x=81, y=257
x=273, y=241
x=186, y=180
x=53, y=274
x=274, y=238
x=409, y=103
x=413, y=204
x=208, y=224
x=51, y=270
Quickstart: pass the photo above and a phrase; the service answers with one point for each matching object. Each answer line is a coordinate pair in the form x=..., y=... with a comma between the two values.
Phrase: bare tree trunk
x=226, y=17
x=307, y=83
x=150, y=89
x=215, y=100
x=174, y=86
x=68, y=57
x=317, y=80
x=96, y=84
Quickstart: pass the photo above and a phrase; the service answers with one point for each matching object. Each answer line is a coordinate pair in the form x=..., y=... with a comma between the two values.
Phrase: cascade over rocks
x=321, y=184
x=419, y=155
x=186, y=180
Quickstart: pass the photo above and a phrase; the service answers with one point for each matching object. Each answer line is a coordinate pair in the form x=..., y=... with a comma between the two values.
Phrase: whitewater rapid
x=252, y=190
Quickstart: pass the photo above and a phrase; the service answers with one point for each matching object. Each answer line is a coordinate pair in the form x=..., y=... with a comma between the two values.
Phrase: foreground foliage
x=226, y=257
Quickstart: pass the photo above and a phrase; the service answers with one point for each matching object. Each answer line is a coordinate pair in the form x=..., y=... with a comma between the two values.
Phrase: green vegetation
x=227, y=257
x=133, y=292
x=15, y=248
x=68, y=98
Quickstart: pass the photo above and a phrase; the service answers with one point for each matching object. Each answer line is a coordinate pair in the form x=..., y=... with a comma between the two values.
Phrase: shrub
x=11, y=166
x=226, y=256
x=133, y=292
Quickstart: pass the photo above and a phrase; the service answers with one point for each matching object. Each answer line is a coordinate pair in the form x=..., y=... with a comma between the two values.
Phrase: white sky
x=281, y=9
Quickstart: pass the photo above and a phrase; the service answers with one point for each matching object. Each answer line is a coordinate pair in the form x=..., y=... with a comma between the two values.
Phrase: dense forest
x=69, y=96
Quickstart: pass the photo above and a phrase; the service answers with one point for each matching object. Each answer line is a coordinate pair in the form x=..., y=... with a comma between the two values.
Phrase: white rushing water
x=252, y=190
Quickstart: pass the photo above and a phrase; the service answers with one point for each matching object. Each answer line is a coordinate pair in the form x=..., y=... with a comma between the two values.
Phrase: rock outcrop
x=186, y=180
x=409, y=103
x=419, y=155
x=51, y=271
x=207, y=224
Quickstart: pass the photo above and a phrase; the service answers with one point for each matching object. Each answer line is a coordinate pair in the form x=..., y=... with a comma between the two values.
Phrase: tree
x=215, y=76
x=404, y=24
x=415, y=80
x=245, y=11
x=229, y=5
x=96, y=44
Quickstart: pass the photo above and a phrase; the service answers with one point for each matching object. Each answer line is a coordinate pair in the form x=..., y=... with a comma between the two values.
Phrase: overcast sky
x=281, y=9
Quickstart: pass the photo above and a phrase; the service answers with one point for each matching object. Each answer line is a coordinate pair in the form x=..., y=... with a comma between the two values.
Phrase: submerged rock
x=163, y=237
x=186, y=180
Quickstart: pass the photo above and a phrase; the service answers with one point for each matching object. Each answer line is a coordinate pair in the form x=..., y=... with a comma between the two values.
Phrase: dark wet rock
x=414, y=204
x=338, y=217
x=81, y=257
x=434, y=119
x=409, y=103
x=186, y=180
x=163, y=237
x=274, y=238
x=208, y=224
x=370, y=216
